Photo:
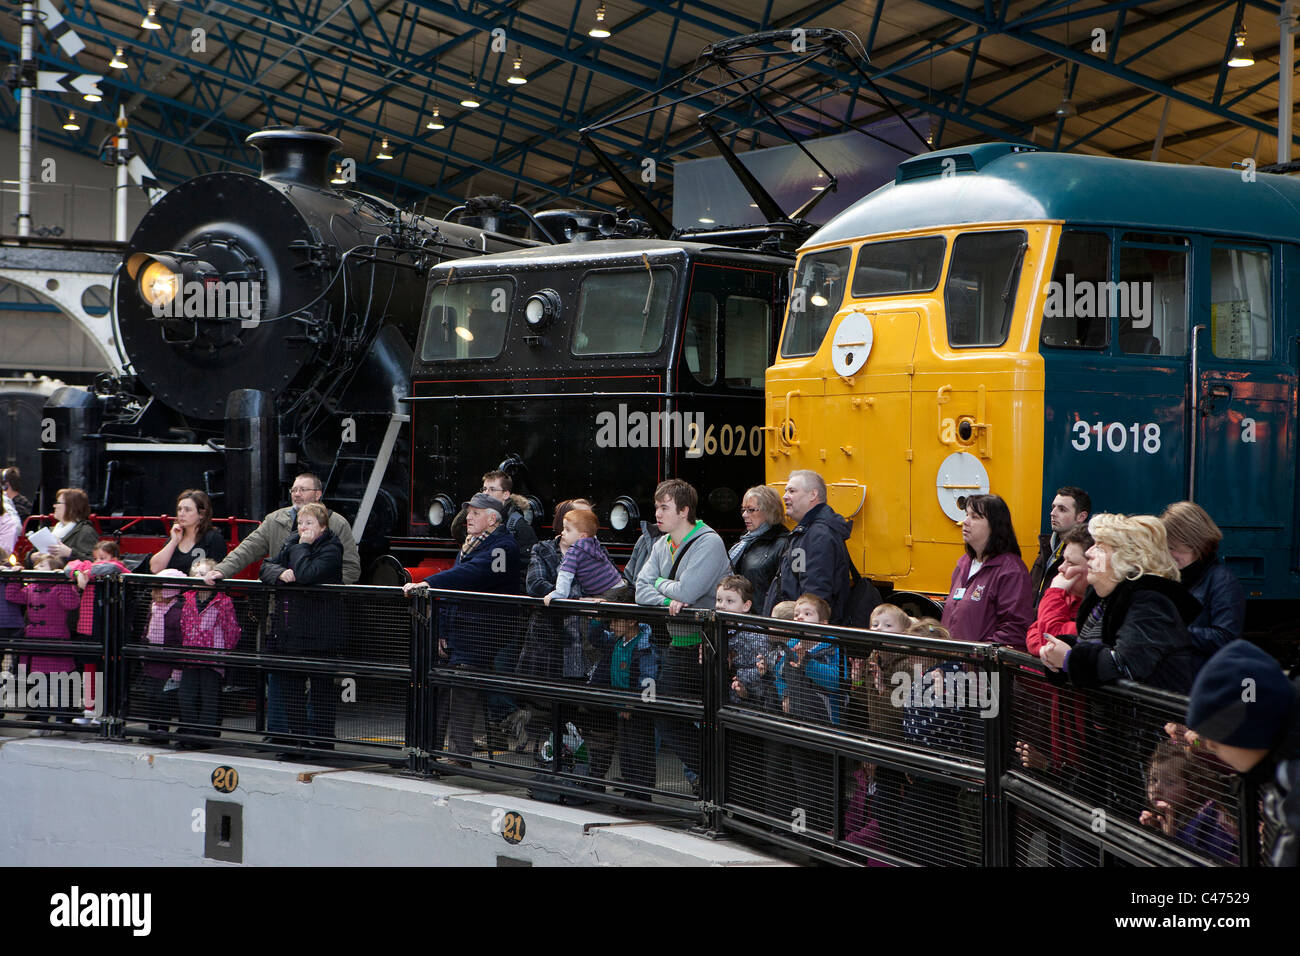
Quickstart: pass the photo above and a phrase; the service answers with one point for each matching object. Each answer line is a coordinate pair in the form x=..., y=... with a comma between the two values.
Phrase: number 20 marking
x=1115, y=437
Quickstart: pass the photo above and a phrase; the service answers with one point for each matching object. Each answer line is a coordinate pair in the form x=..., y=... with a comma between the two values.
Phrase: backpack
x=863, y=599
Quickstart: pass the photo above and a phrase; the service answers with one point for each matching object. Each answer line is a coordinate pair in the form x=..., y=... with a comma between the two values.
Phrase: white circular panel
x=852, y=344
x=960, y=476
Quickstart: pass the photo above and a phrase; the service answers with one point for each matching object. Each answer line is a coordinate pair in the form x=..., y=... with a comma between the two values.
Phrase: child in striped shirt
x=585, y=561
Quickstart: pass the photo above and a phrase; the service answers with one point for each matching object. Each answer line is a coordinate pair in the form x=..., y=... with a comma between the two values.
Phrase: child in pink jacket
x=208, y=621
x=104, y=560
x=47, y=606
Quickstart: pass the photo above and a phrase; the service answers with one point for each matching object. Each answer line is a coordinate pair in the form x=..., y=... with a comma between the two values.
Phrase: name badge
x=958, y=594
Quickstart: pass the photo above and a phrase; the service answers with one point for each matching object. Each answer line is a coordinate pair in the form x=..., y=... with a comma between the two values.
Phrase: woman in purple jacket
x=991, y=597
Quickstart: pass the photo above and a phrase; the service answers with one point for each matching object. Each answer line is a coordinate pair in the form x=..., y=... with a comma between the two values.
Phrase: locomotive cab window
x=815, y=298
x=622, y=312
x=700, y=349
x=898, y=267
x=467, y=319
x=1151, y=297
x=1241, y=304
x=980, y=295
x=1072, y=316
x=747, y=325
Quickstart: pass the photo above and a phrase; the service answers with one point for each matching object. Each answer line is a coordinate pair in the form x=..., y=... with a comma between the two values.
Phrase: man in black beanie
x=1247, y=713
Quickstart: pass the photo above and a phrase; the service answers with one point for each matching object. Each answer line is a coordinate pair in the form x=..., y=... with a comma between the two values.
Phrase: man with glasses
x=270, y=535
x=516, y=520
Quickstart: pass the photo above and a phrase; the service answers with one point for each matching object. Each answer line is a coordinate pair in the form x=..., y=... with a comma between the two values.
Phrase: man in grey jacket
x=683, y=570
x=269, y=537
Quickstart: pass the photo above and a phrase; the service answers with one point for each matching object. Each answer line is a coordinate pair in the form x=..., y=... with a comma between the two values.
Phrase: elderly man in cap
x=468, y=636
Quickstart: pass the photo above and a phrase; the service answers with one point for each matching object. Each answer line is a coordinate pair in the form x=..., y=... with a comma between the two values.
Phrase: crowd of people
x=1110, y=597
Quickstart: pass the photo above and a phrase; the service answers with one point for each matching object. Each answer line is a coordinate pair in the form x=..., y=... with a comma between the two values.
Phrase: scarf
x=472, y=541
x=748, y=538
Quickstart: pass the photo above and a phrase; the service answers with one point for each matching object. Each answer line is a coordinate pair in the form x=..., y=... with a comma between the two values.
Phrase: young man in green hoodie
x=683, y=570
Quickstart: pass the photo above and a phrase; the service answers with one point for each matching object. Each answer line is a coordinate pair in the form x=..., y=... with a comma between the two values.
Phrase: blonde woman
x=757, y=554
x=1133, y=620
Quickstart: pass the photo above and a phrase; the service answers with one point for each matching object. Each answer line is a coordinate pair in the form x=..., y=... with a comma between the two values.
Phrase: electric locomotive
x=268, y=324
x=1004, y=319
x=596, y=369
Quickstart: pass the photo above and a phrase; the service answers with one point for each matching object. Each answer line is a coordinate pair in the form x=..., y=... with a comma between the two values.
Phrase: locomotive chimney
x=293, y=154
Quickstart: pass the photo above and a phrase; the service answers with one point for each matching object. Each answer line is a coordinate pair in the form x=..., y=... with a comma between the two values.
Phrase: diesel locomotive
x=268, y=324
x=1004, y=319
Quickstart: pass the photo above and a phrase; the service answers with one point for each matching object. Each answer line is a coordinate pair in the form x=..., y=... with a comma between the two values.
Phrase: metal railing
x=844, y=745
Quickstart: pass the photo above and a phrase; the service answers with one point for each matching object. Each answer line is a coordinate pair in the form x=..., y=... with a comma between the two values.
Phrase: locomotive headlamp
x=440, y=511
x=159, y=276
x=541, y=309
x=623, y=513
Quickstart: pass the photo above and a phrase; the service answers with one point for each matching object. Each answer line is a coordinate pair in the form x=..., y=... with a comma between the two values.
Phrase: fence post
x=997, y=734
x=411, y=735
x=113, y=685
x=1248, y=836
x=711, y=756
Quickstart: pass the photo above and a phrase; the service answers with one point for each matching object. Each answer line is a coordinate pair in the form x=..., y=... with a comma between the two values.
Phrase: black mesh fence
x=862, y=745
x=1120, y=753
x=51, y=652
x=288, y=668
x=581, y=702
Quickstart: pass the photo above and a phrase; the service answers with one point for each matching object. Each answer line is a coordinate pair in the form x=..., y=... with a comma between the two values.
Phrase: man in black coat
x=468, y=635
x=816, y=559
x=1071, y=508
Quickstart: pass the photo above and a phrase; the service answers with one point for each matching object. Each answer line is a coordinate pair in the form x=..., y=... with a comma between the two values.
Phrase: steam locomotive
x=268, y=324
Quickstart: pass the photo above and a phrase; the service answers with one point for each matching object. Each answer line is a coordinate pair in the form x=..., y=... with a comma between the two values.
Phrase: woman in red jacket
x=1063, y=711
x=991, y=598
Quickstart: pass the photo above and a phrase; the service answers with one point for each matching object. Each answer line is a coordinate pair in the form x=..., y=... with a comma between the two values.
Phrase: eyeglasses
x=302, y=491
x=749, y=511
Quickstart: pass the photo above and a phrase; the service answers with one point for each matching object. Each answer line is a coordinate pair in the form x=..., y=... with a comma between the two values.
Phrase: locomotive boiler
x=267, y=324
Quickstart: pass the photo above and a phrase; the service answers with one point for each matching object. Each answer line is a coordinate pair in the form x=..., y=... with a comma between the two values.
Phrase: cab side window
x=1071, y=318
x=747, y=326
x=1241, y=303
x=1151, y=298
x=980, y=295
x=700, y=348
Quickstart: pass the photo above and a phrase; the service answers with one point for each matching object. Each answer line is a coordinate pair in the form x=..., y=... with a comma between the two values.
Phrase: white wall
x=82, y=802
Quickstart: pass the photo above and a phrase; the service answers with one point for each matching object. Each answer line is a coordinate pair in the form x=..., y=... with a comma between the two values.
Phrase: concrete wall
x=81, y=802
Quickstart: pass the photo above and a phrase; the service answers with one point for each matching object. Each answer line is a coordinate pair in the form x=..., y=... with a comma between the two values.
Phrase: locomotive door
x=1244, y=403
x=864, y=445
x=726, y=345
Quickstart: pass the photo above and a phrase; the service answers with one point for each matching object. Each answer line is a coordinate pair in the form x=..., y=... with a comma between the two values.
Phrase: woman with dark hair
x=991, y=597
x=192, y=536
x=1194, y=545
x=72, y=526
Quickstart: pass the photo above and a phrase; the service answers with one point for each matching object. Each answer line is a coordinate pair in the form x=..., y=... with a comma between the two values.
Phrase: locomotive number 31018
x=1116, y=437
